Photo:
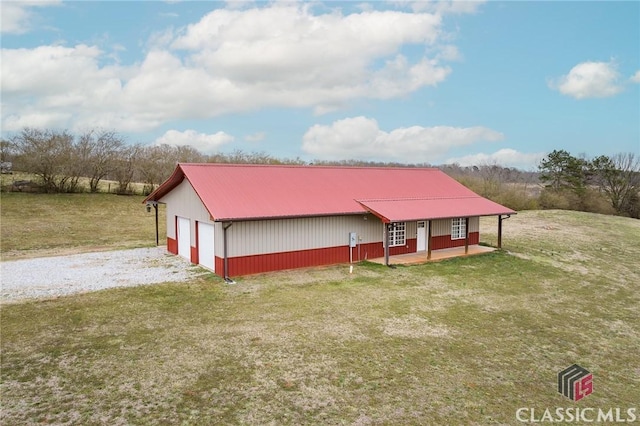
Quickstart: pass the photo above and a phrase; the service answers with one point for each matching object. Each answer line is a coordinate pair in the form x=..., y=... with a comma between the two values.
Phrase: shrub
x=595, y=202
x=516, y=199
x=550, y=199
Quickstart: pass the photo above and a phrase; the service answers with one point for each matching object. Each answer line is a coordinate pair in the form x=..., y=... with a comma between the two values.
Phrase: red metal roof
x=436, y=208
x=245, y=192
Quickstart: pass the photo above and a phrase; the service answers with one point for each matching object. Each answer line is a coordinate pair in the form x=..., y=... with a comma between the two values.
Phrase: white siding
x=280, y=235
x=205, y=245
x=183, y=201
x=411, y=230
x=443, y=226
x=184, y=239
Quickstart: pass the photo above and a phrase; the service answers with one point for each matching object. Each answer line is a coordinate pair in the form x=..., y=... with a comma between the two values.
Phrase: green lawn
x=465, y=341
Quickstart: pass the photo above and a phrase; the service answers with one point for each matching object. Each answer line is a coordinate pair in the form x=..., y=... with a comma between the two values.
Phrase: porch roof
x=410, y=209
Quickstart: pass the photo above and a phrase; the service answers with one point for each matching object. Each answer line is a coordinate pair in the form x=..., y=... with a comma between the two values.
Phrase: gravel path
x=62, y=275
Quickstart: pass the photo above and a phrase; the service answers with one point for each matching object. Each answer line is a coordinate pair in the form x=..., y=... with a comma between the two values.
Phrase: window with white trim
x=397, y=234
x=458, y=228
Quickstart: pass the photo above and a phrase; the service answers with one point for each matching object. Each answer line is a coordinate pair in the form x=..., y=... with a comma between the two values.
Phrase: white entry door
x=205, y=246
x=184, y=238
x=422, y=236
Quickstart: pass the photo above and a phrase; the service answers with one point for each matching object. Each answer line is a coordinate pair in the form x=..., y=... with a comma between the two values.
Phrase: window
x=397, y=234
x=458, y=228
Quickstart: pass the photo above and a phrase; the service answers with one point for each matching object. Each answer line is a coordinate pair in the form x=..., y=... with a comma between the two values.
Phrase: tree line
x=64, y=162
x=60, y=160
x=578, y=182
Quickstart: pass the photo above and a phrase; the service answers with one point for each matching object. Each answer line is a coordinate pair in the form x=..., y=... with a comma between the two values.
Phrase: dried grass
x=464, y=341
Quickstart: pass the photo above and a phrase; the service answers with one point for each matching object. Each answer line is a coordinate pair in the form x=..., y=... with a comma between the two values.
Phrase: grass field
x=49, y=224
x=465, y=341
x=104, y=186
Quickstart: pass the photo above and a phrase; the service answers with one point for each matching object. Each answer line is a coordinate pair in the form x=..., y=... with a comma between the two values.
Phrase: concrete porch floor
x=421, y=256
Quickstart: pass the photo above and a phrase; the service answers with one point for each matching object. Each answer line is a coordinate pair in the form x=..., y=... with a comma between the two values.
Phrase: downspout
x=155, y=206
x=226, y=259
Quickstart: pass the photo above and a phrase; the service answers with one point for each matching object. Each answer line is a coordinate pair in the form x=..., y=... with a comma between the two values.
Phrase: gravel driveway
x=62, y=275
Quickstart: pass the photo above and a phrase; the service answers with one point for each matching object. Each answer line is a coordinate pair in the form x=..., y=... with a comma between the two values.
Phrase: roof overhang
x=283, y=217
x=405, y=210
x=167, y=186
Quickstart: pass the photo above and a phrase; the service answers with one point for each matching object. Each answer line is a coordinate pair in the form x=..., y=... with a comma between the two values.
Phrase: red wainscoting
x=373, y=250
x=195, y=256
x=172, y=245
x=245, y=265
x=445, y=241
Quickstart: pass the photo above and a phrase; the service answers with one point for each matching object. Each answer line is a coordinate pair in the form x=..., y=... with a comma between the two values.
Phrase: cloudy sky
x=414, y=82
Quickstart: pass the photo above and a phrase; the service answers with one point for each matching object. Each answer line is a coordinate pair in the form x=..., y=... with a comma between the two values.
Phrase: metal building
x=242, y=219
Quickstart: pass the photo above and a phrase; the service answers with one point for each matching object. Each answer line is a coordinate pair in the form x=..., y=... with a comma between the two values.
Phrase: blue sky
x=413, y=82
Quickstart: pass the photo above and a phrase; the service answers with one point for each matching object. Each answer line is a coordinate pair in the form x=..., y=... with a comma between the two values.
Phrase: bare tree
x=493, y=177
x=619, y=178
x=98, y=152
x=188, y=154
x=51, y=156
x=7, y=151
x=155, y=165
x=125, y=167
x=157, y=162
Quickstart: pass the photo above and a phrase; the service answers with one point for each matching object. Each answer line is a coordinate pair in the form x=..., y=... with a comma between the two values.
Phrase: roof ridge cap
x=360, y=200
x=309, y=166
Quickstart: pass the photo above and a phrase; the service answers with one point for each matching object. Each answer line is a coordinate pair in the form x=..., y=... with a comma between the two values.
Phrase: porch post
x=155, y=206
x=429, y=239
x=386, y=244
x=466, y=235
x=499, y=231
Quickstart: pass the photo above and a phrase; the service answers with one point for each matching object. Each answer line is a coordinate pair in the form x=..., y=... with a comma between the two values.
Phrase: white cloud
x=589, y=80
x=65, y=84
x=17, y=16
x=239, y=4
x=398, y=77
x=361, y=138
x=255, y=137
x=275, y=55
x=447, y=6
x=35, y=119
x=636, y=77
x=506, y=157
x=14, y=17
x=284, y=55
x=23, y=69
x=449, y=52
x=203, y=142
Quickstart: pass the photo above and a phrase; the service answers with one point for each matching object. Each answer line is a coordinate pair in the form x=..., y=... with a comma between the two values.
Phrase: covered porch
x=428, y=210
x=436, y=255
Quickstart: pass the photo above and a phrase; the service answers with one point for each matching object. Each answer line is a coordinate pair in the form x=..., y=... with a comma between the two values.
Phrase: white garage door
x=205, y=246
x=184, y=238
